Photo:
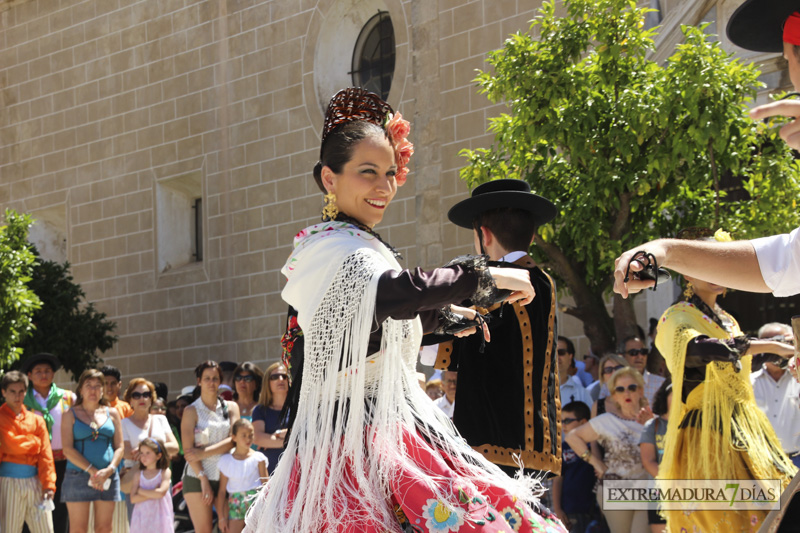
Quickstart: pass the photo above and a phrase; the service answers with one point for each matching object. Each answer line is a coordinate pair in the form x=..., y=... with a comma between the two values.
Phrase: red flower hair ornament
x=398, y=129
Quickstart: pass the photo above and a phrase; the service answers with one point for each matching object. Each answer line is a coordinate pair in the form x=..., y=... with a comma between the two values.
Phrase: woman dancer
x=717, y=431
x=368, y=450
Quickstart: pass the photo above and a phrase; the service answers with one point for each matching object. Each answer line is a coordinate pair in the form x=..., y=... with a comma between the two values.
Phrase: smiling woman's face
x=367, y=183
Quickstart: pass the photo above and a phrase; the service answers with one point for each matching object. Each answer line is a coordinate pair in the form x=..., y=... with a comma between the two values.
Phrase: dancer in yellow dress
x=716, y=431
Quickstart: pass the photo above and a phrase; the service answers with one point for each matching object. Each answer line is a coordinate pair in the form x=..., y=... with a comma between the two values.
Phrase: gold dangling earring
x=330, y=210
x=689, y=291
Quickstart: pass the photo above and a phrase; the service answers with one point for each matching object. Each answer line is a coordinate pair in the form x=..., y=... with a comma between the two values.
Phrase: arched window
x=373, y=56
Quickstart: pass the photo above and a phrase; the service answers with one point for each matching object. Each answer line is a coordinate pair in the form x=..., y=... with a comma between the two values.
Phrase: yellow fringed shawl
x=726, y=402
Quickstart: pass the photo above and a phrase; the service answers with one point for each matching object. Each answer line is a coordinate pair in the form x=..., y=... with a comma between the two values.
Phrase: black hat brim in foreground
x=757, y=25
x=39, y=358
x=464, y=212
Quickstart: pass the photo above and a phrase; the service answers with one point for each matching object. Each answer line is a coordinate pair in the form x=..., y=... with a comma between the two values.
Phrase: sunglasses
x=140, y=395
x=276, y=377
x=247, y=379
x=562, y=351
x=611, y=369
x=633, y=387
x=568, y=421
x=634, y=352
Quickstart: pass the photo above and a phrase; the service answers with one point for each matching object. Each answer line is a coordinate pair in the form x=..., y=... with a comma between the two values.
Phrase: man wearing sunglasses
x=634, y=351
x=572, y=390
x=573, y=496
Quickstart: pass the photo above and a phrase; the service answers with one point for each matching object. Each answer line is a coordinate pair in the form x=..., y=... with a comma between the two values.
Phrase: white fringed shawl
x=346, y=455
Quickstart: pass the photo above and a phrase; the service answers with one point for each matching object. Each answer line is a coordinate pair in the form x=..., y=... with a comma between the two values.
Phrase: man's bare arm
x=730, y=264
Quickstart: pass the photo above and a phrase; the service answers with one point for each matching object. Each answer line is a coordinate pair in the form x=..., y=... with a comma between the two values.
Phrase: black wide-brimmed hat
x=500, y=194
x=758, y=24
x=39, y=358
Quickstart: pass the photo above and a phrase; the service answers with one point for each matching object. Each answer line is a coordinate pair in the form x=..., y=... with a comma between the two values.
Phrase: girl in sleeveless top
x=150, y=494
x=92, y=441
x=205, y=432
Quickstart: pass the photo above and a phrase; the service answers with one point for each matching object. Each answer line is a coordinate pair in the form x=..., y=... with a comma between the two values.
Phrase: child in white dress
x=241, y=473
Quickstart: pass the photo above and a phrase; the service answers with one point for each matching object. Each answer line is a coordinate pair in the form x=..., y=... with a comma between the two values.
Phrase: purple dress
x=153, y=516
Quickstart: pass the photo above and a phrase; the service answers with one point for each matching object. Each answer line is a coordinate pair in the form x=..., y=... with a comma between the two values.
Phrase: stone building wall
x=118, y=114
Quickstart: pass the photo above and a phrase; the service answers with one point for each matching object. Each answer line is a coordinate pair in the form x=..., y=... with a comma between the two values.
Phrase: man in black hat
x=50, y=402
x=770, y=264
x=508, y=390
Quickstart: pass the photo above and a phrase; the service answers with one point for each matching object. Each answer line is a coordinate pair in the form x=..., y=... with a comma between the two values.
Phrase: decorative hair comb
x=354, y=104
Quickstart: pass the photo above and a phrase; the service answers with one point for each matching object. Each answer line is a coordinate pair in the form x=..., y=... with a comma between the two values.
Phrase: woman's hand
x=223, y=524
x=193, y=454
x=599, y=466
x=100, y=476
x=517, y=280
x=208, y=494
x=645, y=414
x=562, y=516
x=470, y=314
x=135, y=455
x=103, y=474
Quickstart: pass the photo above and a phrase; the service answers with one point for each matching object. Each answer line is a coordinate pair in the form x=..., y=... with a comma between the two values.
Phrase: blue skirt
x=76, y=488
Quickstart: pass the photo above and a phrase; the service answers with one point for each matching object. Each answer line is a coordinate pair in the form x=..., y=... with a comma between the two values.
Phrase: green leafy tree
x=18, y=300
x=629, y=150
x=66, y=325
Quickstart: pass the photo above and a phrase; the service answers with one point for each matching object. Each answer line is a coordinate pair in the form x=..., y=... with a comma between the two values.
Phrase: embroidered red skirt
x=482, y=507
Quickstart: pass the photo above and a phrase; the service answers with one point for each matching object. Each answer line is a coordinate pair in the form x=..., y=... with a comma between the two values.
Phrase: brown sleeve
x=403, y=295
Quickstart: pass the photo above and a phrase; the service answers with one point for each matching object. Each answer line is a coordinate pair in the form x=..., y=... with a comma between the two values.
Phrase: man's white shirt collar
x=513, y=256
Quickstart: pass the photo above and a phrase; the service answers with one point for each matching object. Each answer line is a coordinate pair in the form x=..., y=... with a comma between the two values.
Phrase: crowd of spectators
x=80, y=453
x=87, y=460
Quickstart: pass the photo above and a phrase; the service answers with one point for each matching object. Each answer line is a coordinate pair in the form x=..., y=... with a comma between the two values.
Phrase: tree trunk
x=589, y=307
x=597, y=324
x=624, y=318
